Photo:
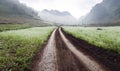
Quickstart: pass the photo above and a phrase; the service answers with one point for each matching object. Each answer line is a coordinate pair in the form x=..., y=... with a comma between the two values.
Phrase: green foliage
x=5, y=27
x=17, y=47
x=107, y=37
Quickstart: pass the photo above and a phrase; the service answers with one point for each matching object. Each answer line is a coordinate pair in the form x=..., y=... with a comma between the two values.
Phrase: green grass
x=6, y=27
x=17, y=47
x=108, y=37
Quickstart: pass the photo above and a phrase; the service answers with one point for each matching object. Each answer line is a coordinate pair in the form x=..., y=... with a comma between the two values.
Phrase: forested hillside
x=12, y=11
x=13, y=7
x=104, y=13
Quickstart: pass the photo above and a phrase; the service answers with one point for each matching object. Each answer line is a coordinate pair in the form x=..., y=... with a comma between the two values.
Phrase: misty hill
x=13, y=7
x=57, y=17
x=12, y=11
x=104, y=13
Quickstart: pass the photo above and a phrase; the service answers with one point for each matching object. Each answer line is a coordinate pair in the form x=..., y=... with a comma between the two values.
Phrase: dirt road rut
x=49, y=59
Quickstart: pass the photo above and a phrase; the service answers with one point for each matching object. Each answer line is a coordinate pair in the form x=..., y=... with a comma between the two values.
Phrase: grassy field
x=17, y=47
x=6, y=27
x=106, y=37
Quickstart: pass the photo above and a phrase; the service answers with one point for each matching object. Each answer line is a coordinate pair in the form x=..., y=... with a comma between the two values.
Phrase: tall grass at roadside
x=106, y=37
x=17, y=47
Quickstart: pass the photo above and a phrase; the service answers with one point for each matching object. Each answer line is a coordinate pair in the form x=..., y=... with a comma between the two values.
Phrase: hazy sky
x=76, y=7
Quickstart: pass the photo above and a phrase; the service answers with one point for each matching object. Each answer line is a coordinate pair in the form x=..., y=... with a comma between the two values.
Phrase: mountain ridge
x=105, y=13
x=57, y=17
x=12, y=11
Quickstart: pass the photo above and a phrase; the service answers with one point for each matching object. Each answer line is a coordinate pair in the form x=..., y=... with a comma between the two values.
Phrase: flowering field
x=17, y=47
x=105, y=37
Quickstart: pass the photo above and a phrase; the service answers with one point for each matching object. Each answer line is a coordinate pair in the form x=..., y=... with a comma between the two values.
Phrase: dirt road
x=61, y=54
x=49, y=59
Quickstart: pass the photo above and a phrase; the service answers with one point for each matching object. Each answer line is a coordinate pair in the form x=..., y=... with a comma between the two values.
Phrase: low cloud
x=76, y=7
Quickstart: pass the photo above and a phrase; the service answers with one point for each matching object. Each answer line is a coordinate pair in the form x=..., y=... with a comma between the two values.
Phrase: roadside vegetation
x=17, y=47
x=105, y=37
x=6, y=27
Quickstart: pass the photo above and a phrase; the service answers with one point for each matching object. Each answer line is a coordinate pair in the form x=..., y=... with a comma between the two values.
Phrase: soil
x=67, y=61
x=49, y=58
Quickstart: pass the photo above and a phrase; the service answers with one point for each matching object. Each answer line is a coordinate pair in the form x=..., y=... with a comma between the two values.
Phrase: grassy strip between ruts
x=106, y=37
x=6, y=27
x=17, y=47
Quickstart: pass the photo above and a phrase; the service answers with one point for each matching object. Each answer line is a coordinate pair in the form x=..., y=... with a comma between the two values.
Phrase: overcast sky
x=77, y=8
